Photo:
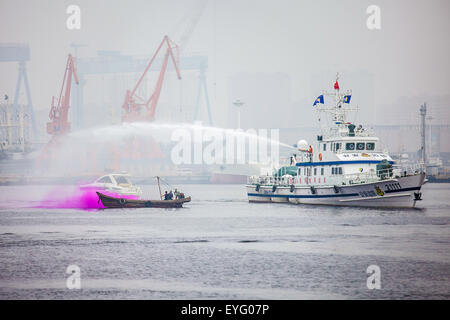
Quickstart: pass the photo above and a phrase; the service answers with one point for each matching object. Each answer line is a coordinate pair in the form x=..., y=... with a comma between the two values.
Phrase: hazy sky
x=409, y=56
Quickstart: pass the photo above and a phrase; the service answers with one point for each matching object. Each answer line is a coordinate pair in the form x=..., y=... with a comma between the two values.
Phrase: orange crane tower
x=133, y=105
x=59, y=112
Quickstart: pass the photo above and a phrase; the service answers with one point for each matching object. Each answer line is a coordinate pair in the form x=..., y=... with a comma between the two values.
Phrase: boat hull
x=401, y=192
x=112, y=202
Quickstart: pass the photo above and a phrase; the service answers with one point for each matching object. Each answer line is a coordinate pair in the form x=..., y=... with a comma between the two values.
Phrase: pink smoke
x=77, y=198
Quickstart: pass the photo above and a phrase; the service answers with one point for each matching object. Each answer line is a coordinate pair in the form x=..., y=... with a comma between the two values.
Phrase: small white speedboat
x=118, y=183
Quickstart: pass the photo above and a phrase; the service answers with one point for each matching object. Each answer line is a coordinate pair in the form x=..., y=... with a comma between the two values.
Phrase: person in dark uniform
x=170, y=195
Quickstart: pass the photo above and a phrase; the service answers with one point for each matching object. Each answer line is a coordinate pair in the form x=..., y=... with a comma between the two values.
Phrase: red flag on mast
x=336, y=85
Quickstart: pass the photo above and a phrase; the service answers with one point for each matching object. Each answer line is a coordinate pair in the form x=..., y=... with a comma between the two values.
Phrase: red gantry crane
x=59, y=124
x=134, y=105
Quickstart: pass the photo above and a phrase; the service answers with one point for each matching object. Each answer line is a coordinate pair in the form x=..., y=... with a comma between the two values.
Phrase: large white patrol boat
x=117, y=183
x=345, y=167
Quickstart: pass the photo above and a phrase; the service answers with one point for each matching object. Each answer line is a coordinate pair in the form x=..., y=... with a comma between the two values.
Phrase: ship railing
x=354, y=178
x=285, y=180
x=270, y=180
x=394, y=172
x=252, y=179
x=332, y=133
x=357, y=134
x=343, y=150
x=404, y=170
x=401, y=170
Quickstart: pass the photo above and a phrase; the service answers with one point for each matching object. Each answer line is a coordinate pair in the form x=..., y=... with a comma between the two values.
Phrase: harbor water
x=219, y=246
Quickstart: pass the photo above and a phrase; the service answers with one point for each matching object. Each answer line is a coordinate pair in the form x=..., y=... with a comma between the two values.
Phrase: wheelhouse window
x=121, y=180
x=340, y=170
x=315, y=171
x=360, y=146
x=324, y=147
x=105, y=180
x=370, y=146
x=338, y=146
x=321, y=171
x=350, y=146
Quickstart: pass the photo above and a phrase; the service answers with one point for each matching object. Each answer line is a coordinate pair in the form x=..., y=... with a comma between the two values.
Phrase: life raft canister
x=320, y=156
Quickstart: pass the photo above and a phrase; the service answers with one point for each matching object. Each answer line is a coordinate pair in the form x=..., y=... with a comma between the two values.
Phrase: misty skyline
x=407, y=58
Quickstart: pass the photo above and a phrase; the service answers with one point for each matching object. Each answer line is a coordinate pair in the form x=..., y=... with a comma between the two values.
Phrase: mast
x=159, y=187
x=338, y=111
x=423, y=113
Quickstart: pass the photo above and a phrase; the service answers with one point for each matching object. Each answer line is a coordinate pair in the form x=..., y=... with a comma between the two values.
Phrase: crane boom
x=59, y=123
x=131, y=105
x=187, y=25
x=59, y=112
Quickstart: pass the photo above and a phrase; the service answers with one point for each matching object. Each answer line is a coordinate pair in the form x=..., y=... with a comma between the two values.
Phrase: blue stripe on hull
x=302, y=196
x=332, y=163
x=322, y=195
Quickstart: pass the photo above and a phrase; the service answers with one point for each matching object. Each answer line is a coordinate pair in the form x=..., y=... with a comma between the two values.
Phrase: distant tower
x=423, y=113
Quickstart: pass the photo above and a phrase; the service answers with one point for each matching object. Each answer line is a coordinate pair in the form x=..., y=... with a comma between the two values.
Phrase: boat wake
x=76, y=198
